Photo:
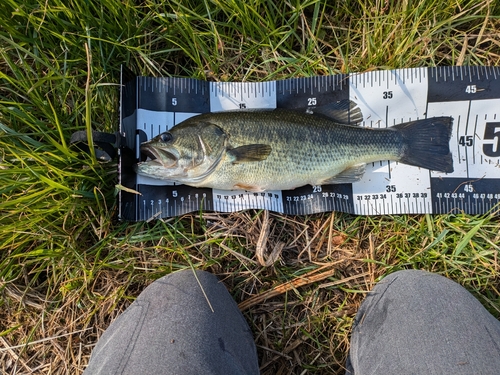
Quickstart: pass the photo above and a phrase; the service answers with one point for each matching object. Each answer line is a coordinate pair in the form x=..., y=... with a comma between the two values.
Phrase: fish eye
x=166, y=137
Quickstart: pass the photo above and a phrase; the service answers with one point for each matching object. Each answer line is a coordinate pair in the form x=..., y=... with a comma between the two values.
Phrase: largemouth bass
x=284, y=149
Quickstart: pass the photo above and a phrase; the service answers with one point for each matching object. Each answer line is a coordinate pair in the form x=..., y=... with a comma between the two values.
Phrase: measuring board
x=471, y=95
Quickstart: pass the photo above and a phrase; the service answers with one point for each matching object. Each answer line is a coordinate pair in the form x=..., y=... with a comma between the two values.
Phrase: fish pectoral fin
x=353, y=174
x=344, y=112
x=249, y=153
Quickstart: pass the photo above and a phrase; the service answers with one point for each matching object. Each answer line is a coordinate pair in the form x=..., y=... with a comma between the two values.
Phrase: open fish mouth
x=160, y=157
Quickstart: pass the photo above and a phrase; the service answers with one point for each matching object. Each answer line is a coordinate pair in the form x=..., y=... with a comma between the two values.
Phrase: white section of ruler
x=236, y=200
x=388, y=98
x=468, y=139
x=377, y=194
x=242, y=95
x=154, y=122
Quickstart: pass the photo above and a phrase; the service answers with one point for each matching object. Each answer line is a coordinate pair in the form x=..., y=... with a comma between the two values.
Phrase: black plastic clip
x=105, y=144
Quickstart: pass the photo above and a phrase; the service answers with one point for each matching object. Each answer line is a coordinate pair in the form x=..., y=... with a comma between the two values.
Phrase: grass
x=68, y=268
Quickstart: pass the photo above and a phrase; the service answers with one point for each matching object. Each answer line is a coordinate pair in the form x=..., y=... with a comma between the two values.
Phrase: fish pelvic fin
x=249, y=153
x=426, y=143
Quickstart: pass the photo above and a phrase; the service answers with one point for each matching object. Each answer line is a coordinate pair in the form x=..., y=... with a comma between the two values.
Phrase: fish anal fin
x=249, y=153
x=352, y=174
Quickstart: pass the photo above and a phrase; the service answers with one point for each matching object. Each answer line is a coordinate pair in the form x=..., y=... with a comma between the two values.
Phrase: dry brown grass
x=300, y=307
x=297, y=306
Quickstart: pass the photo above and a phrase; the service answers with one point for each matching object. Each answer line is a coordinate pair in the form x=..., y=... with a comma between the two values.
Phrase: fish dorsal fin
x=249, y=153
x=343, y=111
x=353, y=174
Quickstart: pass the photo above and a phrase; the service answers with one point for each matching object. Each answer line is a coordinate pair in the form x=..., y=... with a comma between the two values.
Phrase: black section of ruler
x=127, y=178
x=462, y=83
x=298, y=93
x=128, y=93
x=314, y=199
x=173, y=94
x=166, y=201
x=126, y=155
x=455, y=195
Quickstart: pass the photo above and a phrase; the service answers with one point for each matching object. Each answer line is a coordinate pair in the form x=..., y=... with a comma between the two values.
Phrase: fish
x=282, y=149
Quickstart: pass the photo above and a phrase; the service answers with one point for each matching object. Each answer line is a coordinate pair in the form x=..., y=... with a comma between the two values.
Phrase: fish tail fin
x=426, y=143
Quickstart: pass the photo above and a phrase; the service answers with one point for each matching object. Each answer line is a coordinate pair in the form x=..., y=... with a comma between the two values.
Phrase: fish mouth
x=162, y=157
